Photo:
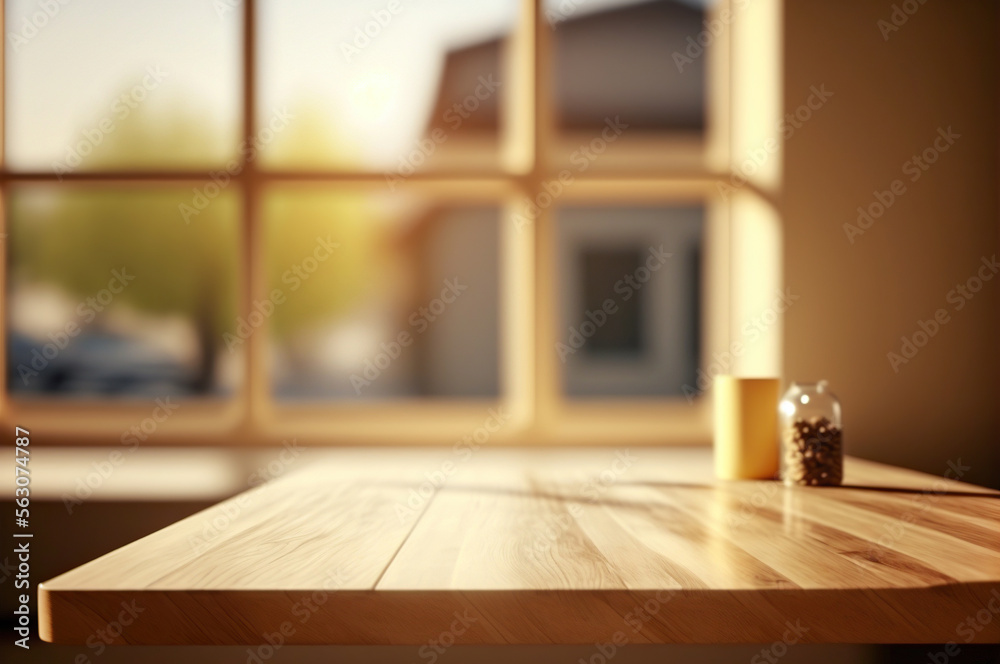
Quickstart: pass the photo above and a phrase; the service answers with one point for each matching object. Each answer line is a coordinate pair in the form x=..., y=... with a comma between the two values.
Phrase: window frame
x=530, y=395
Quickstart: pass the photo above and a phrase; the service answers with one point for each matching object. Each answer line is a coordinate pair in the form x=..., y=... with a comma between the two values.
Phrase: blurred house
x=609, y=63
x=456, y=353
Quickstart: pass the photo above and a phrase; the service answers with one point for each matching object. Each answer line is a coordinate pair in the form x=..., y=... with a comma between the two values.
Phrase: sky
x=65, y=77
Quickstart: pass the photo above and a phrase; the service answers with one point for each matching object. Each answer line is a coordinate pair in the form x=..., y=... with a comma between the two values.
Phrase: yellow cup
x=746, y=427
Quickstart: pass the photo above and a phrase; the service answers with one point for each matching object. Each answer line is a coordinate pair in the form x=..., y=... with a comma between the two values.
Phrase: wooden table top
x=560, y=546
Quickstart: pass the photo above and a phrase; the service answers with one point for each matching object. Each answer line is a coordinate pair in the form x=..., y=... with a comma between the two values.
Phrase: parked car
x=93, y=364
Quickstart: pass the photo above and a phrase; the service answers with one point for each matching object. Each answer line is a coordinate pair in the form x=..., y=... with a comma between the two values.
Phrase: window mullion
x=547, y=370
x=254, y=284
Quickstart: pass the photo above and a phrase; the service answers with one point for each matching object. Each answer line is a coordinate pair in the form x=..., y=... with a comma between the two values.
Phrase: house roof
x=610, y=62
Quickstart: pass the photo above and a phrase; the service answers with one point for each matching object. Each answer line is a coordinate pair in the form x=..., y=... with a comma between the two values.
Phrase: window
x=367, y=221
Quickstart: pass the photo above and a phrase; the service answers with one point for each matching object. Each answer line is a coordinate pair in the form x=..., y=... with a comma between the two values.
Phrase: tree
x=75, y=236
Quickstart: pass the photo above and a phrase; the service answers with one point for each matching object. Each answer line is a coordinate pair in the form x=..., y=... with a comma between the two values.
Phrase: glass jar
x=812, y=445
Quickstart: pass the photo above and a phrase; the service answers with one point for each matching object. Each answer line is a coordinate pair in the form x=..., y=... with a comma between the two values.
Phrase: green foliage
x=73, y=236
x=299, y=216
x=160, y=137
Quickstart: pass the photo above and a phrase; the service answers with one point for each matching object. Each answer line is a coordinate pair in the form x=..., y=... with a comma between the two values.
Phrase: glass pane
x=629, y=59
x=383, y=85
x=630, y=286
x=111, y=293
x=381, y=296
x=120, y=84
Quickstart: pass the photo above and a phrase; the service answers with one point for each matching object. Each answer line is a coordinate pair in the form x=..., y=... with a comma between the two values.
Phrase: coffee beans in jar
x=813, y=452
x=812, y=439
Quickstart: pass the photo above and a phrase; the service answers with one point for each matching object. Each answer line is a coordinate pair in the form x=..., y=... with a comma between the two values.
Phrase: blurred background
x=143, y=89
x=162, y=242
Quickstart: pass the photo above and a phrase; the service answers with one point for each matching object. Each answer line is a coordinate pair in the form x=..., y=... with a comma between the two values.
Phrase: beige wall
x=890, y=97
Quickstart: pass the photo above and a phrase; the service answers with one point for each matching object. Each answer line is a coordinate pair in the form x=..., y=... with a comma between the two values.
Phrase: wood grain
x=551, y=546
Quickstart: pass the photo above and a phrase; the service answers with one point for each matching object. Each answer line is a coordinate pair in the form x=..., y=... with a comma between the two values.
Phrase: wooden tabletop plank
x=331, y=517
x=934, y=548
x=655, y=541
x=972, y=529
x=811, y=555
x=469, y=526
x=551, y=546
